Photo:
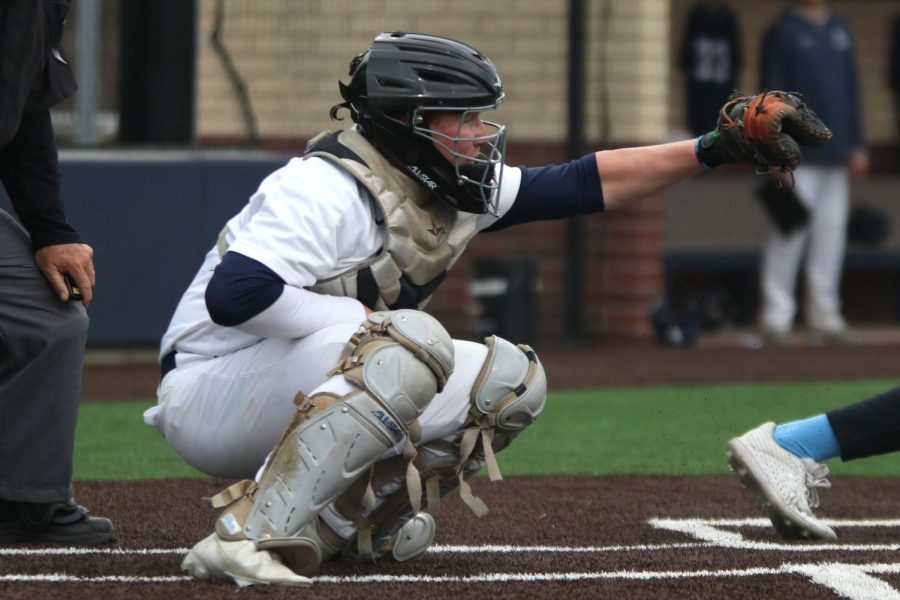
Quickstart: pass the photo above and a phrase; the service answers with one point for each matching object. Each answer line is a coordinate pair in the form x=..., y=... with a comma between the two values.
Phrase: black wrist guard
x=711, y=152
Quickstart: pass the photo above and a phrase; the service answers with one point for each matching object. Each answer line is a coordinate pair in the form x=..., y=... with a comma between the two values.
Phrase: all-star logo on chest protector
x=423, y=236
x=435, y=230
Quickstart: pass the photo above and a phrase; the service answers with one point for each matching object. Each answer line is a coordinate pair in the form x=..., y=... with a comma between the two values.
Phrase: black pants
x=869, y=427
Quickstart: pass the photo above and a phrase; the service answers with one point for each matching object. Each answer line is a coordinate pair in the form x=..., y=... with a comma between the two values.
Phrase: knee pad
x=379, y=359
x=508, y=395
x=397, y=361
x=511, y=386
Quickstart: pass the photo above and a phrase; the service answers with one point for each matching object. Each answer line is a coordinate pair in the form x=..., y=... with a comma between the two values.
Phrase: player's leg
x=224, y=415
x=780, y=263
x=496, y=391
x=41, y=356
x=869, y=427
x=444, y=418
x=784, y=482
x=395, y=366
x=782, y=464
x=828, y=236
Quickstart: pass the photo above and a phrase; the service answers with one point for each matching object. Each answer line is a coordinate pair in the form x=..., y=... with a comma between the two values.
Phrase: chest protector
x=424, y=236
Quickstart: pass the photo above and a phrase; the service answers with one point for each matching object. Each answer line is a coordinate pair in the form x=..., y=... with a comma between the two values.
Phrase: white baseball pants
x=824, y=190
x=224, y=415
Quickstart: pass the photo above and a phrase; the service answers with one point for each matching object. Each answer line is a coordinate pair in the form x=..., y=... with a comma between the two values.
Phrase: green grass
x=650, y=430
x=673, y=430
x=112, y=442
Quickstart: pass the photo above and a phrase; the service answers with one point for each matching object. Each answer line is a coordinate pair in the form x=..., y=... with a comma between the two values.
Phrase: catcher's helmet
x=393, y=86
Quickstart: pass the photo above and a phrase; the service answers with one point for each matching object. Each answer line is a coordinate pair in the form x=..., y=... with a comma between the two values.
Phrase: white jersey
x=308, y=221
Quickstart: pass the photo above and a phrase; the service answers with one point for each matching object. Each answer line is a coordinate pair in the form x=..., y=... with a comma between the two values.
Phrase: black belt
x=166, y=364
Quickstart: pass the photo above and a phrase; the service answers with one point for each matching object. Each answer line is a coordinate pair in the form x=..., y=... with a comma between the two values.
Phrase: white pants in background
x=825, y=191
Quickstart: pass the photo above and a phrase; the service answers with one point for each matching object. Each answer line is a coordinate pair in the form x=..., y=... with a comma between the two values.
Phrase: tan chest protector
x=424, y=236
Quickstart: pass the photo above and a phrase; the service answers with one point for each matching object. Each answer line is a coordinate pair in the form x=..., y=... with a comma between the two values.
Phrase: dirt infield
x=559, y=537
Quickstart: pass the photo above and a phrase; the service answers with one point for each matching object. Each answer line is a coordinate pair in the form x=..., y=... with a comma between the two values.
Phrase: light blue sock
x=812, y=437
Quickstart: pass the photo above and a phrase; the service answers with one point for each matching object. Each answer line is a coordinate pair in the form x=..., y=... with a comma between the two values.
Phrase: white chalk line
x=66, y=578
x=762, y=522
x=708, y=530
x=811, y=570
x=785, y=569
x=705, y=530
x=438, y=549
x=83, y=551
x=853, y=581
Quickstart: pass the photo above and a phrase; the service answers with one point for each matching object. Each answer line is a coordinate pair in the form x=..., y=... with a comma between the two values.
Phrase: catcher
x=300, y=359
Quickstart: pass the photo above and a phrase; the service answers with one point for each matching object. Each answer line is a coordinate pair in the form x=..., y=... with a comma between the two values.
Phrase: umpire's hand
x=74, y=259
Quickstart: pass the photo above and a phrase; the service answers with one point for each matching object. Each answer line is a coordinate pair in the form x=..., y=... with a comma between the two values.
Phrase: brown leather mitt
x=765, y=130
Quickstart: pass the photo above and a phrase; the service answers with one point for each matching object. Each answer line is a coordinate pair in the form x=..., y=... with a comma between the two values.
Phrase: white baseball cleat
x=212, y=558
x=786, y=484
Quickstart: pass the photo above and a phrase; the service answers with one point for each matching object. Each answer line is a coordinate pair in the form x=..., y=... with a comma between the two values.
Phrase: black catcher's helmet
x=393, y=86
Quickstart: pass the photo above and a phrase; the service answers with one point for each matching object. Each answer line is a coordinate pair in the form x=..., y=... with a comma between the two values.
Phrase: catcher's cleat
x=58, y=524
x=785, y=483
x=215, y=559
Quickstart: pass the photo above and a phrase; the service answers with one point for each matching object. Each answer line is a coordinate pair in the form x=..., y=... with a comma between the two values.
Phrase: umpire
x=43, y=327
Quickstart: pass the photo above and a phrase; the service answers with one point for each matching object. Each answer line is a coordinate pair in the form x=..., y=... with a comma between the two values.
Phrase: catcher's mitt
x=765, y=130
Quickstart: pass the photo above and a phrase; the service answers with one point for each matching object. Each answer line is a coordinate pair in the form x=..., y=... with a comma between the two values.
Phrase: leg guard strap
x=508, y=395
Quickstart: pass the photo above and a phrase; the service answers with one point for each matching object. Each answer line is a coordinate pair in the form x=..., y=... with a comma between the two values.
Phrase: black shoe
x=57, y=523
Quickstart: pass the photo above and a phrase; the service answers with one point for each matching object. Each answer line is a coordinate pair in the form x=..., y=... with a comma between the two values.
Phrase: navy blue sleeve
x=555, y=192
x=240, y=289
